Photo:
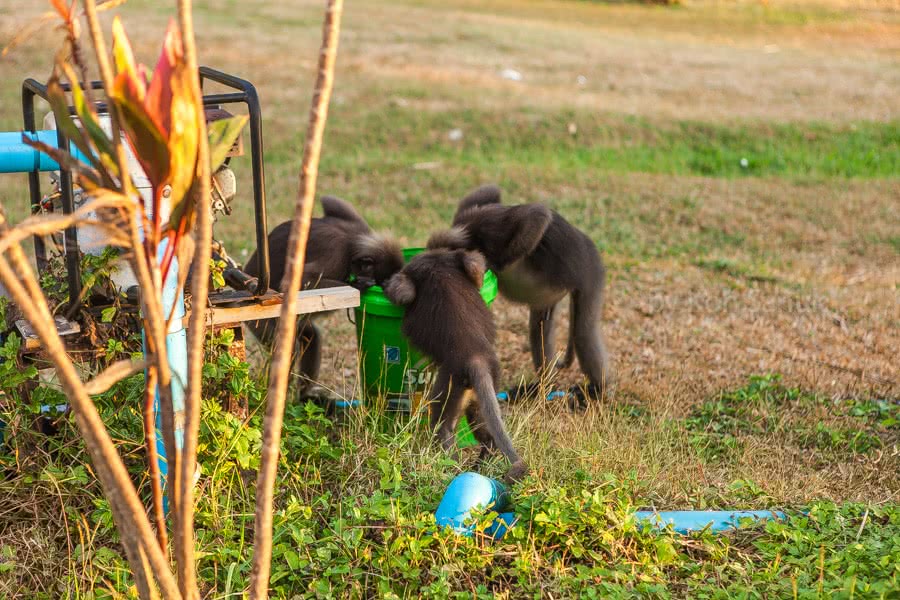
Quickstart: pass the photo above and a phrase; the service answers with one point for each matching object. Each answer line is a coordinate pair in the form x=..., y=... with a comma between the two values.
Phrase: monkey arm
x=513, y=233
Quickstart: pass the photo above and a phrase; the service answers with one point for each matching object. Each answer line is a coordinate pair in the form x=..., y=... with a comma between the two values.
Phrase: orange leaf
x=183, y=141
x=159, y=93
x=61, y=8
x=143, y=134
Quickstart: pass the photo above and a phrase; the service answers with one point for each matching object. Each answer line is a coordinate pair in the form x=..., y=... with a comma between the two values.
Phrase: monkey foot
x=580, y=395
x=516, y=472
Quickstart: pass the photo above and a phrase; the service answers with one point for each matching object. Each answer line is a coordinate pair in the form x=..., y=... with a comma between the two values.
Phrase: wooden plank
x=32, y=342
x=308, y=301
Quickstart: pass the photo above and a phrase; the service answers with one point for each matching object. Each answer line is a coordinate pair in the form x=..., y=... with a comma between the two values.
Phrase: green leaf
x=64, y=122
x=108, y=314
x=89, y=121
x=222, y=135
x=665, y=551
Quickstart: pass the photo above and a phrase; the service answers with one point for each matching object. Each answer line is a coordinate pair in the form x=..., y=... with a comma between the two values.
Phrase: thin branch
x=153, y=461
x=196, y=335
x=44, y=225
x=153, y=315
x=296, y=256
x=106, y=75
x=114, y=373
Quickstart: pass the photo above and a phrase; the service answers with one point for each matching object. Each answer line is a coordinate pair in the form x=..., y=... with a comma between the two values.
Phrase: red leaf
x=159, y=93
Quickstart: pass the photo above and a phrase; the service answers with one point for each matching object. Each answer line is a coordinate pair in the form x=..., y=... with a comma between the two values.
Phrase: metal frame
x=246, y=94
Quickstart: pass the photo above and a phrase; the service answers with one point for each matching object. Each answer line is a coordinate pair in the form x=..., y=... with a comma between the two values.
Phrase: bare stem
x=184, y=529
x=153, y=461
x=296, y=257
x=106, y=75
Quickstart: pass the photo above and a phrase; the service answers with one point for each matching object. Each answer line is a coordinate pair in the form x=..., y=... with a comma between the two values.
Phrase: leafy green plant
x=12, y=375
x=216, y=273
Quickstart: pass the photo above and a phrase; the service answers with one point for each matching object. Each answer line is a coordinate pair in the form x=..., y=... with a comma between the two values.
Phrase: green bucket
x=389, y=367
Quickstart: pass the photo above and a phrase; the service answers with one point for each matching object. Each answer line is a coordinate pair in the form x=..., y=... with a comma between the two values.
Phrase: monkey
x=539, y=258
x=341, y=246
x=447, y=320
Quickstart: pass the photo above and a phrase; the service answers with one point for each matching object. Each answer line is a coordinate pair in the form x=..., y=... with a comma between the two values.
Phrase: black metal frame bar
x=246, y=94
x=30, y=89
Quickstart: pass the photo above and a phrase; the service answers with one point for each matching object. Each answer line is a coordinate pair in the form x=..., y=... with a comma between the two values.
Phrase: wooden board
x=32, y=342
x=308, y=301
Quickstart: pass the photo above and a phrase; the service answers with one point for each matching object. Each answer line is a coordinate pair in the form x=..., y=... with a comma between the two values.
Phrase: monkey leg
x=309, y=349
x=489, y=410
x=588, y=340
x=445, y=409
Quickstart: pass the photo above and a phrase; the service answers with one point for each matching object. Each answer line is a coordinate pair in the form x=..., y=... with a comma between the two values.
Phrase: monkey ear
x=341, y=209
x=474, y=265
x=400, y=289
x=486, y=194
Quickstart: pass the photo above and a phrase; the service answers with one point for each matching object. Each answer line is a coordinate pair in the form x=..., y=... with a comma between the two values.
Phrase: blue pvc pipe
x=684, y=521
x=176, y=351
x=467, y=492
x=18, y=157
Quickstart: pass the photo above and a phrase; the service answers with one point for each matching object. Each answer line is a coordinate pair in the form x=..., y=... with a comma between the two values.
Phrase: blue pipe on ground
x=684, y=521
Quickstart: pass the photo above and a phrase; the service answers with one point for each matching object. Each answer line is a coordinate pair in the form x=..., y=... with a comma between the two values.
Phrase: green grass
x=397, y=138
x=355, y=515
x=765, y=409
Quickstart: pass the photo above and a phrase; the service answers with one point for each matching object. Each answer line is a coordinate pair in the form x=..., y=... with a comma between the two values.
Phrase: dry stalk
x=296, y=256
x=114, y=373
x=184, y=522
x=143, y=264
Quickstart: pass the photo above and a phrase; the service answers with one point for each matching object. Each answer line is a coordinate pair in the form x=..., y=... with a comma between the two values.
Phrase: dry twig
x=296, y=256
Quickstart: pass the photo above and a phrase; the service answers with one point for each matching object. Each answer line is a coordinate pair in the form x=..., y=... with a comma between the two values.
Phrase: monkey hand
x=361, y=283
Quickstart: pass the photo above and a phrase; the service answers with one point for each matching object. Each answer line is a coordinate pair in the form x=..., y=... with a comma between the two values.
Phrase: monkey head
x=401, y=289
x=374, y=258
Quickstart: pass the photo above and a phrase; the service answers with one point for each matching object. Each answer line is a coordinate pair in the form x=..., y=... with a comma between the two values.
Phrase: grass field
x=753, y=306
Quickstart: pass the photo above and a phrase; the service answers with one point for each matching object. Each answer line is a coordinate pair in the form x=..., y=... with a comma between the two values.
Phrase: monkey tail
x=483, y=384
x=570, y=345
